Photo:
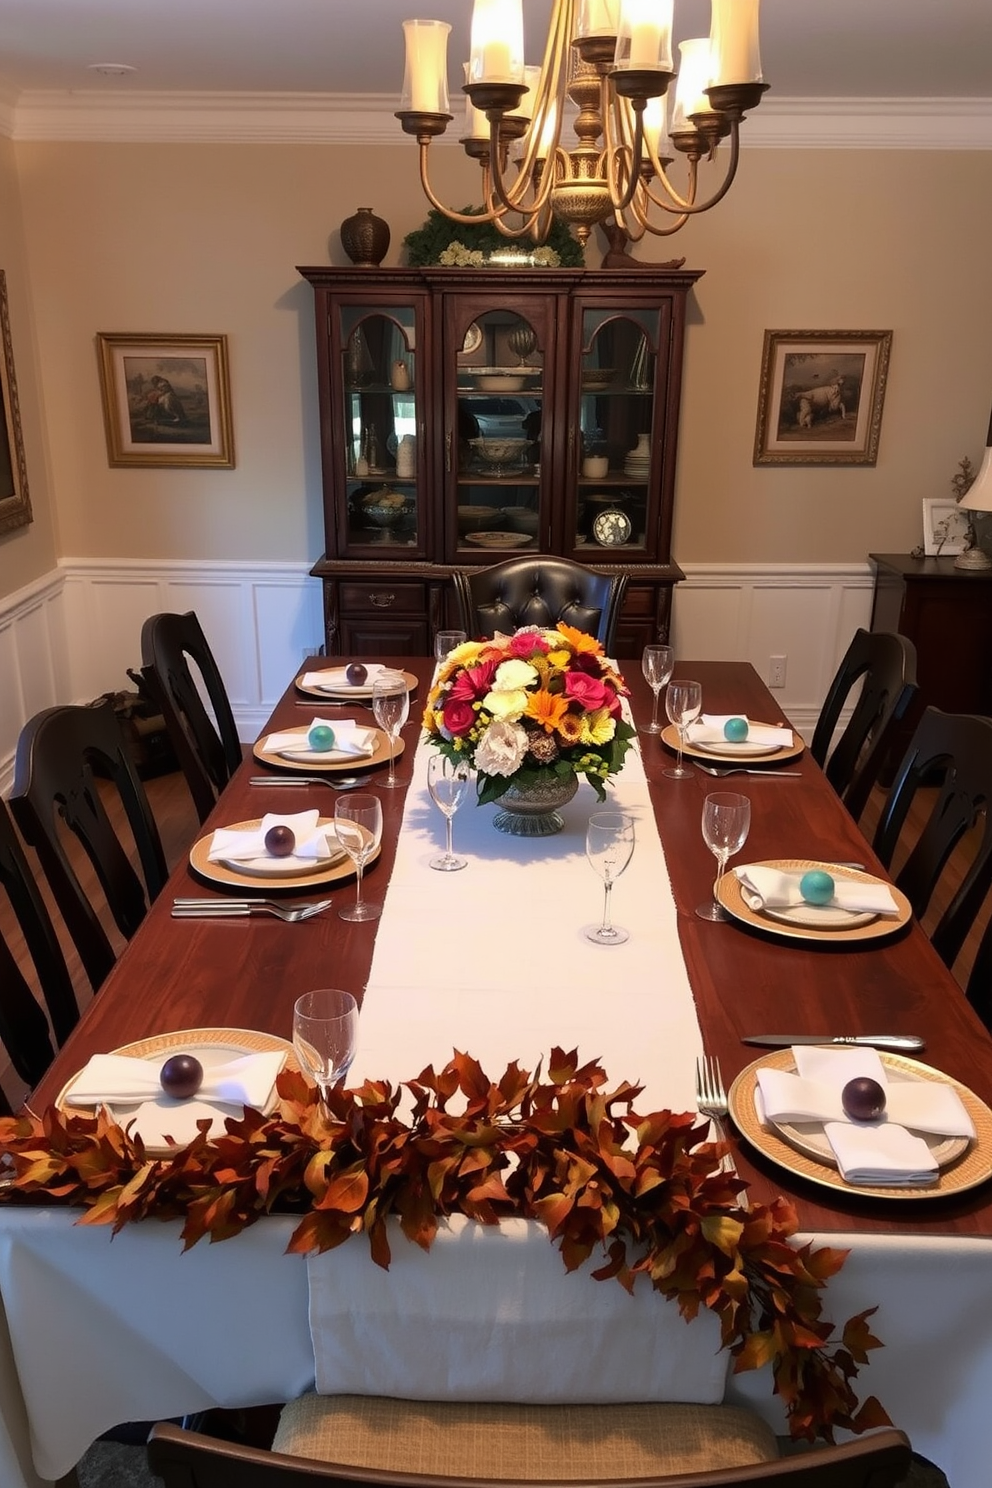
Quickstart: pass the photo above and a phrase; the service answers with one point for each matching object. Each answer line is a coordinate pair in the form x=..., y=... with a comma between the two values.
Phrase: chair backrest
x=953, y=752
x=885, y=663
x=24, y=1030
x=539, y=591
x=979, y=989
x=208, y=750
x=186, y=1459
x=60, y=752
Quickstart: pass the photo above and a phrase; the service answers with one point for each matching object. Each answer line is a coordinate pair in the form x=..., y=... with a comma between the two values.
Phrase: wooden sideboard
x=947, y=613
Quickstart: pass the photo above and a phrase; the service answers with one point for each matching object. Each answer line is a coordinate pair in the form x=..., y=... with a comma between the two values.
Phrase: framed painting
x=166, y=400
x=15, y=502
x=946, y=528
x=820, y=397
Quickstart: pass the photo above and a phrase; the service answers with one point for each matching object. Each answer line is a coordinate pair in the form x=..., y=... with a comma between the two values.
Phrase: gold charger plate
x=346, y=690
x=966, y=1171
x=728, y=892
x=670, y=736
x=379, y=755
x=232, y=878
x=220, y=1043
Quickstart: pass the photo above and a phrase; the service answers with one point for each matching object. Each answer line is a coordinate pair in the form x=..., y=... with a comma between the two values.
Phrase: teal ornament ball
x=816, y=887
x=321, y=737
x=735, y=729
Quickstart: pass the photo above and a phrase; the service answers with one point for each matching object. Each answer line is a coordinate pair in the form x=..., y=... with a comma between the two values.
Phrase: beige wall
x=189, y=238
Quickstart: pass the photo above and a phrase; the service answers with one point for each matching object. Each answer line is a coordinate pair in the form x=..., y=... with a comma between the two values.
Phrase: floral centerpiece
x=530, y=710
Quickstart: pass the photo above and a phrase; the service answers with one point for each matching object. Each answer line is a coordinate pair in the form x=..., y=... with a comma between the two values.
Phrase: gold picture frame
x=166, y=400
x=15, y=501
x=820, y=397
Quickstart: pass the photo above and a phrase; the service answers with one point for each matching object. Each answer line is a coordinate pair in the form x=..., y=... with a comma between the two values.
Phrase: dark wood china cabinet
x=472, y=415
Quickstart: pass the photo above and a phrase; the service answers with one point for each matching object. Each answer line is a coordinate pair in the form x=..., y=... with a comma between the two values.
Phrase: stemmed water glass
x=683, y=700
x=656, y=665
x=325, y=1032
x=609, y=846
x=391, y=709
x=358, y=828
x=726, y=819
x=447, y=781
x=445, y=641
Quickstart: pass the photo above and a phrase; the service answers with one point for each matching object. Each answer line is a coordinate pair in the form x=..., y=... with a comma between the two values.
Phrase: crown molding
x=91, y=116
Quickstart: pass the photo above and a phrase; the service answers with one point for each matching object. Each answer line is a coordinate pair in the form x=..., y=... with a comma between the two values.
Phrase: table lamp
x=977, y=498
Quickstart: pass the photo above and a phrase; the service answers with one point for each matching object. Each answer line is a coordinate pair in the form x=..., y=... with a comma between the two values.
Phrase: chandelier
x=612, y=59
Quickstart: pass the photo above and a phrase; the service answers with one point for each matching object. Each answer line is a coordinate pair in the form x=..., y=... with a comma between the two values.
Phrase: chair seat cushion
x=519, y=1442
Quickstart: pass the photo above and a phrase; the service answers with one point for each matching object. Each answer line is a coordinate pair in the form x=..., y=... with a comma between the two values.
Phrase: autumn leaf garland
x=556, y=1149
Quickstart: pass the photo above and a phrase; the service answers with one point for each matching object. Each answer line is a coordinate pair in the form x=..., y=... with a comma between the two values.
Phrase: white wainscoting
x=73, y=634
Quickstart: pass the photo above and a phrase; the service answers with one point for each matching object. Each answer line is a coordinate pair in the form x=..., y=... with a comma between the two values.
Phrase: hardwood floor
x=178, y=824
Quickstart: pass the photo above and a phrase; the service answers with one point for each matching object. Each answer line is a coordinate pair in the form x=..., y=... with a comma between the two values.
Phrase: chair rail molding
x=72, y=634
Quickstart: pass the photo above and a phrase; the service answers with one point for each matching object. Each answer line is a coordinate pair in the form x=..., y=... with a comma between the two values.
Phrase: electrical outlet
x=776, y=671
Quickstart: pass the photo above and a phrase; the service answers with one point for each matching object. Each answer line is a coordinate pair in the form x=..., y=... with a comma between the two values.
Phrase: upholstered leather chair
x=885, y=666
x=209, y=750
x=61, y=752
x=539, y=591
x=953, y=753
x=344, y=1441
x=24, y=1030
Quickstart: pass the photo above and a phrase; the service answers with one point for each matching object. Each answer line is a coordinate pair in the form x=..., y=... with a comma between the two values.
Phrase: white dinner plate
x=163, y=1117
x=327, y=756
x=731, y=748
x=821, y=916
x=853, y=928
x=338, y=686
x=289, y=867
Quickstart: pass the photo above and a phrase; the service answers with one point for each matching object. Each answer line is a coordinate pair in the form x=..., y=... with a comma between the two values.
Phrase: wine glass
x=683, y=701
x=325, y=1031
x=609, y=845
x=358, y=828
x=726, y=819
x=656, y=664
x=445, y=641
x=391, y=709
x=447, y=781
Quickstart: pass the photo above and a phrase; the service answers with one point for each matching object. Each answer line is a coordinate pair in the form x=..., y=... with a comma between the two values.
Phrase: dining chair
x=952, y=753
x=208, y=748
x=885, y=665
x=24, y=1028
x=979, y=988
x=342, y=1442
x=539, y=591
x=56, y=796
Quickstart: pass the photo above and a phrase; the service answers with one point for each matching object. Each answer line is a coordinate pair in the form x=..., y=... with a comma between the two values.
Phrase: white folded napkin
x=109, y=1078
x=233, y=844
x=875, y=1152
x=351, y=740
x=335, y=679
x=708, y=729
x=778, y=888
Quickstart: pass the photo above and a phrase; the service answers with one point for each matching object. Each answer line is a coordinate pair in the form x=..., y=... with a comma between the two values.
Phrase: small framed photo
x=820, y=397
x=15, y=502
x=166, y=400
x=946, y=528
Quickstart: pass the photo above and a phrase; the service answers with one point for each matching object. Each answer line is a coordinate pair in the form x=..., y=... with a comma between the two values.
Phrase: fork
x=711, y=1101
x=742, y=770
x=341, y=782
x=217, y=909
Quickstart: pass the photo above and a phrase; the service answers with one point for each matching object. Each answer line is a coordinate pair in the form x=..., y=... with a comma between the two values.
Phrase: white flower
x=501, y=749
x=514, y=674
x=505, y=704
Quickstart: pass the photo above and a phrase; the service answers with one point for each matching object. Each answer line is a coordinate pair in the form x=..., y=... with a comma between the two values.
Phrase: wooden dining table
x=201, y=974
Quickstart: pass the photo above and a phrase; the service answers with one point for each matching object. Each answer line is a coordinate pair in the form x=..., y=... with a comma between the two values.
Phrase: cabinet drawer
x=640, y=599
x=402, y=598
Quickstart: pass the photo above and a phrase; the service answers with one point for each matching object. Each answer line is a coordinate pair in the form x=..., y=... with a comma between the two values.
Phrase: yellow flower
x=570, y=727
x=507, y=705
x=546, y=708
x=559, y=659
x=598, y=727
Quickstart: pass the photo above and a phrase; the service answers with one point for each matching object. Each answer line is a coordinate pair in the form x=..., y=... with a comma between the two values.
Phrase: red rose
x=459, y=716
x=591, y=692
x=527, y=645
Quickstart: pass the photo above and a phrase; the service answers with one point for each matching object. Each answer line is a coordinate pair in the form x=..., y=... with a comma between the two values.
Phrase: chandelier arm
x=691, y=206
x=488, y=214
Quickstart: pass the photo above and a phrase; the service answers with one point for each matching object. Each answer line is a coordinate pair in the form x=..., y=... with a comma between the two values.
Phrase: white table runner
x=493, y=961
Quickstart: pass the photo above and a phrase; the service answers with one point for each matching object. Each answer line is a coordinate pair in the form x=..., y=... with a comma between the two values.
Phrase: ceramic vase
x=533, y=812
x=365, y=238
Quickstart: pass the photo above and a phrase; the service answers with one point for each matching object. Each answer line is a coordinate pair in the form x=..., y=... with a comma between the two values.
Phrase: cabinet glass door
x=617, y=476
x=384, y=503
x=497, y=463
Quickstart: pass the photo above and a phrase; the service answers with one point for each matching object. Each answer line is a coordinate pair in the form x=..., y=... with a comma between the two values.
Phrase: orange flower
x=547, y=709
x=579, y=641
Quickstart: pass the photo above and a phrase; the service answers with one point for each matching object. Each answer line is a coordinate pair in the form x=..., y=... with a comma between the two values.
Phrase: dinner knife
x=898, y=1043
